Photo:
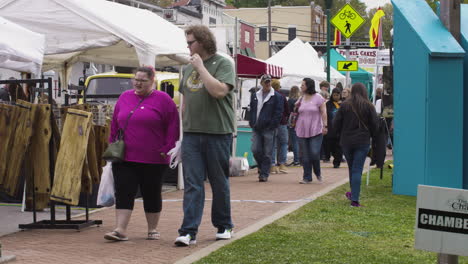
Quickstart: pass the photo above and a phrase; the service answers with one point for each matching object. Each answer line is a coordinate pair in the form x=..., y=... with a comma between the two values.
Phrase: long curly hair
x=204, y=36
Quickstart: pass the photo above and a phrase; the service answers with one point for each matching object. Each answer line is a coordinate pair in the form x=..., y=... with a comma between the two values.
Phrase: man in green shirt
x=208, y=123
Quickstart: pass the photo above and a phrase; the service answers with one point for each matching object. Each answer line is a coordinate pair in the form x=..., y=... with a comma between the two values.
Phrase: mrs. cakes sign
x=442, y=220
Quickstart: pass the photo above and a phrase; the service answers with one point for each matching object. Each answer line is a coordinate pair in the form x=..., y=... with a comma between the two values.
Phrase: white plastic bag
x=106, y=193
x=175, y=155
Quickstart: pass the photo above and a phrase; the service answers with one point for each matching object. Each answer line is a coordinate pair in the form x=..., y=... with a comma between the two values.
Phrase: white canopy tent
x=335, y=76
x=20, y=49
x=98, y=31
x=298, y=62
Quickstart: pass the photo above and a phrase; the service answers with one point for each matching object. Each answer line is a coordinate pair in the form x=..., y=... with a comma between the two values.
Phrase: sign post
x=347, y=21
x=442, y=222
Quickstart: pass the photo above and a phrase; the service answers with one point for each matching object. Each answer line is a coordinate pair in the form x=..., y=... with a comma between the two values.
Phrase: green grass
x=329, y=231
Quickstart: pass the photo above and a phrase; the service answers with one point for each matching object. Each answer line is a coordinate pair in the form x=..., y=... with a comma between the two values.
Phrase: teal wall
x=464, y=43
x=428, y=130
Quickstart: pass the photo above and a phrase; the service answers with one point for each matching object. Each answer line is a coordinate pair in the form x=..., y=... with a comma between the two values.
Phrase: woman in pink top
x=149, y=133
x=311, y=125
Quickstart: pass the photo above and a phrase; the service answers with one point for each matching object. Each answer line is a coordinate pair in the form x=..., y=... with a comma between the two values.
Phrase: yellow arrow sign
x=347, y=66
x=347, y=20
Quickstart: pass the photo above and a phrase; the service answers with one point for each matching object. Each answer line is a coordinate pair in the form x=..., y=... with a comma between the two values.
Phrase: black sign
x=443, y=221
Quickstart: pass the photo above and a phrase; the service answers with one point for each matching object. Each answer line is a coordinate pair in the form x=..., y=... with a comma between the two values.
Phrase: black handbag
x=115, y=152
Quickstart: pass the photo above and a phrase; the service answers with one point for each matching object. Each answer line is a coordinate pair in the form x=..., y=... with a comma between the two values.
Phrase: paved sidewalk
x=253, y=203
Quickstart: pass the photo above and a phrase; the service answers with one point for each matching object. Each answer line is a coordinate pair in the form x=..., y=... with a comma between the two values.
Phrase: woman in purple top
x=149, y=133
x=311, y=125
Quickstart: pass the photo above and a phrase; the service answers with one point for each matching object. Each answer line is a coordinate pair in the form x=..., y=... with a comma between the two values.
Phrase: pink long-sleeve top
x=152, y=129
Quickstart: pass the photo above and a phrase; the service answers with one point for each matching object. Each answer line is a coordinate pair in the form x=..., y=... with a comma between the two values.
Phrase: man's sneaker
x=305, y=182
x=274, y=169
x=224, y=234
x=282, y=168
x=356, y=204
x=348, y=195
x=184, y=241
x=262, y=179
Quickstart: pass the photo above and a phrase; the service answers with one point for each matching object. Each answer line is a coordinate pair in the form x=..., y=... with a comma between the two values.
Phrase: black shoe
x=336, y=166
x=262, y=179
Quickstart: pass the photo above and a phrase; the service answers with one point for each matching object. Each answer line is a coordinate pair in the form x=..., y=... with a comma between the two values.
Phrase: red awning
x=248, y=67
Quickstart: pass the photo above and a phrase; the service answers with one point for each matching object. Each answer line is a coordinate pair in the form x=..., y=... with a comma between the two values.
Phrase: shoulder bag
x=115, y=152
x=294, y=115
x=360, y=121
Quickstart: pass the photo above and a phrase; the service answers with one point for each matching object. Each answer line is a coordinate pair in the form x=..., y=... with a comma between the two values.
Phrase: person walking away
x=310, y=128
x=280, y=147
x=150, y=124
x=266, y=114
x=208, y=123
x=293, y=140
x=325, y=150
x=355, y=123
x=333, y=142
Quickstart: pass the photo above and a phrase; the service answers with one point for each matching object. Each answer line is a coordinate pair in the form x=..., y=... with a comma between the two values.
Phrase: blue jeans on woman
x=355, y=157
x=310, y=148
x=294, y=144
x=206, y=154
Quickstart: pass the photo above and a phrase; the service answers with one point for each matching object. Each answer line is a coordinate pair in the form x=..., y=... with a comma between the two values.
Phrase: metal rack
x=53, y=223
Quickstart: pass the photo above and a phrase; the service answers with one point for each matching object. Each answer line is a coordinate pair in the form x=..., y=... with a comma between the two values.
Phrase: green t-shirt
x=204, y=113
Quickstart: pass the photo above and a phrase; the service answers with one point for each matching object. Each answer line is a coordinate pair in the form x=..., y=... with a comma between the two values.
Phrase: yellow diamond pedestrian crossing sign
x=347, y=20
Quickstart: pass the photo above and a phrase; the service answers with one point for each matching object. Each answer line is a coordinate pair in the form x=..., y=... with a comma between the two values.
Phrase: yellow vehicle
x=106, y=87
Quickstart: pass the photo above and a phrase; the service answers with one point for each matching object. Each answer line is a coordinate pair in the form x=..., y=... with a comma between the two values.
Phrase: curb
x=257, y=226
x=5, y=259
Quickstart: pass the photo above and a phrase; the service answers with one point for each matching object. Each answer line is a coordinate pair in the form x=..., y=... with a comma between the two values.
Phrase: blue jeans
x=294, y=144
x=355, y=157
x=206, y=154
x=262, y=149
x=281, y=143
x=310, y=148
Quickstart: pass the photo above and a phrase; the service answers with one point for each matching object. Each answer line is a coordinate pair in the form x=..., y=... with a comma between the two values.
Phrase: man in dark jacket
x=265, y=116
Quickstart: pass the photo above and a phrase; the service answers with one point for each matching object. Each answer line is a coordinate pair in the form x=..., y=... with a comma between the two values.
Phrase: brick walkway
x=88, y=245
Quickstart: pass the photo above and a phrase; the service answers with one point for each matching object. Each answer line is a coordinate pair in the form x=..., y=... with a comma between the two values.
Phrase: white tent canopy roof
x=300, y=60
x=20, y=49
x=99, y=31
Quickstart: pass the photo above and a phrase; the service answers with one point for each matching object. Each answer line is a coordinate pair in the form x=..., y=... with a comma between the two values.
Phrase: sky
x=375, y=3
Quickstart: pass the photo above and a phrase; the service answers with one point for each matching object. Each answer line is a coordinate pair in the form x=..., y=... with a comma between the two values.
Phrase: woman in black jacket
x=356, y=123
x=332, y=139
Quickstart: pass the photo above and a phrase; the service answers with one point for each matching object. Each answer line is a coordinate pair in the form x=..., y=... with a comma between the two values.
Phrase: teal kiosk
x=428, y=100
x=464, y=43
x=244, y=144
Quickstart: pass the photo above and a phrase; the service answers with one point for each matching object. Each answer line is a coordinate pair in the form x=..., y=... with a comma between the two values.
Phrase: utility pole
x=328, y=5
x=450, y=16
x=269, y=28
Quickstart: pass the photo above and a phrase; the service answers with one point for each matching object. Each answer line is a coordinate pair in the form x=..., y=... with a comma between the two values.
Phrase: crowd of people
x=309, y=121
x=314, y=125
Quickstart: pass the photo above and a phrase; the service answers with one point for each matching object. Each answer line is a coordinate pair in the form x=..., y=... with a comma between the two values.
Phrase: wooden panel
x=8, y=115
x=24, y=125
x=71, y=157
x=39, y=149
x=93, y=160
